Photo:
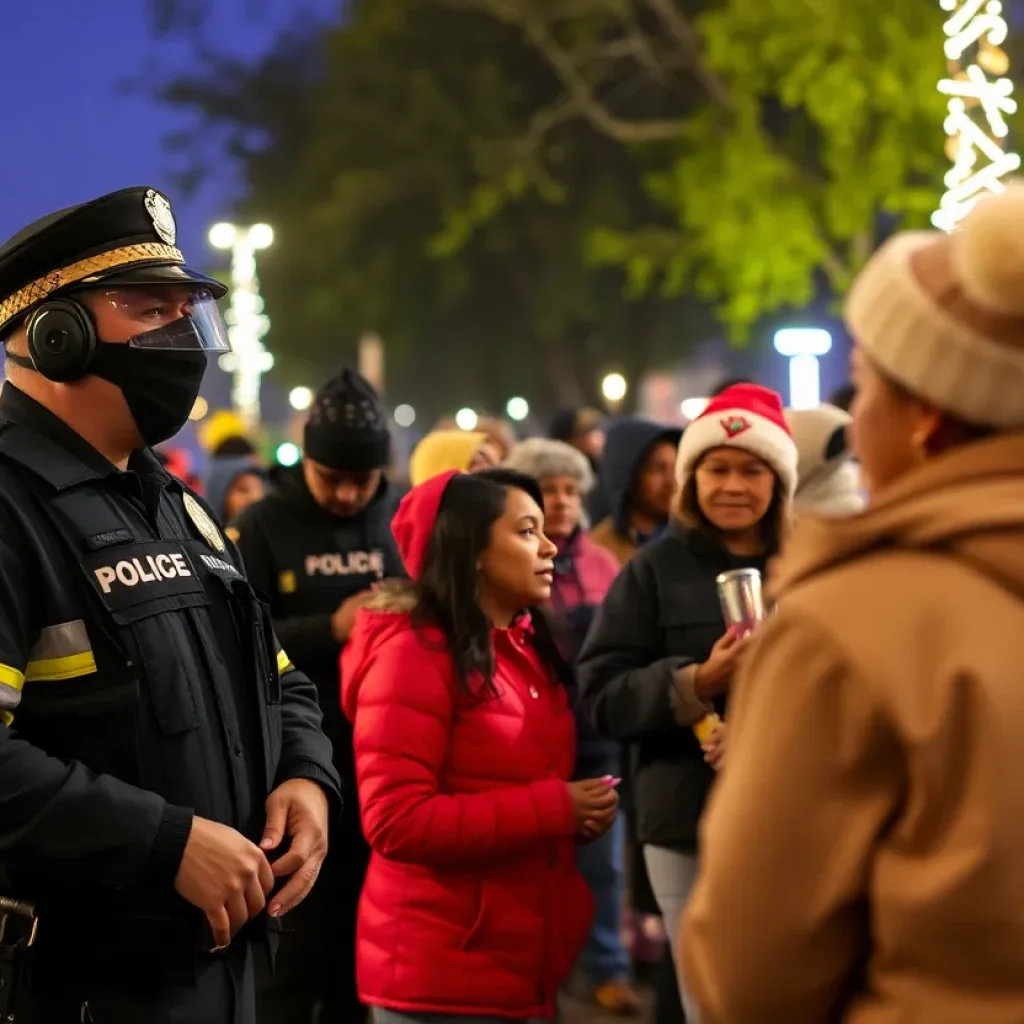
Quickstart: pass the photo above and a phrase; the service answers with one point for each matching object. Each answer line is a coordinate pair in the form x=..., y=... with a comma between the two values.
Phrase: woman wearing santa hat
x=658, y=658
x=863, y=859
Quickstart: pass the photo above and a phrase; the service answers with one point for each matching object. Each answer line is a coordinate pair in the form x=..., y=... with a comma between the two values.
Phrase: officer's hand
x=297, y=808
x=344, y=618
x=225, y=876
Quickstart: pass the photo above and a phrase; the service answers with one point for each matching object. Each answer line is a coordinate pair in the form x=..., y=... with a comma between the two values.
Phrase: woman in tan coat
x=864, y=849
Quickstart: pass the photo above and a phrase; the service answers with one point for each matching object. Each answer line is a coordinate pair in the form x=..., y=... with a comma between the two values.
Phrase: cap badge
x=204, y=524
x=735, y=425
x=159, y=210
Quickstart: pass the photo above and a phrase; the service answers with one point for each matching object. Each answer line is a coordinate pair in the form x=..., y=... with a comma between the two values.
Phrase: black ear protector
x=61, y=340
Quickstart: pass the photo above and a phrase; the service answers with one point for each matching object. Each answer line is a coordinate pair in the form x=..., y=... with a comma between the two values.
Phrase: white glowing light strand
x=978, y=105
x=247, y=324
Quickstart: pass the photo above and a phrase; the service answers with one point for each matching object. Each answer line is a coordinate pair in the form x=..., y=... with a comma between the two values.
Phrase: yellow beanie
x=441, y=451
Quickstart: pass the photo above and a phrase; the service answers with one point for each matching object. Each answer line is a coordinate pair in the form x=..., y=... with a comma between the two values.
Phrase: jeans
x=673, y=873
x=604, y=958
x=381, y=1016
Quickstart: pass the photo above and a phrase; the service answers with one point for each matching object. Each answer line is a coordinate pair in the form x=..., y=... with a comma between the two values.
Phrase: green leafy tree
x=394, y=155
x=781, y=138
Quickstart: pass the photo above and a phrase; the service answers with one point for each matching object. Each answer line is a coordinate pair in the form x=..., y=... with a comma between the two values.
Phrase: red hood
x=388, y=613
x=414, y=521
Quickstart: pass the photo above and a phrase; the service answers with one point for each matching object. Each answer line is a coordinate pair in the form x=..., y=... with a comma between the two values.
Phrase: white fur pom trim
x=988, y=251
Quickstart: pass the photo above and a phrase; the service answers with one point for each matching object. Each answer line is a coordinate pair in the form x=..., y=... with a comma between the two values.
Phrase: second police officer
x=318, y=544
x=165, y=784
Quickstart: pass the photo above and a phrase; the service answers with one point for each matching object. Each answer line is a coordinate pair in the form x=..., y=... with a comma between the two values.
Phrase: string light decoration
x=980, y=98
x=247, y=324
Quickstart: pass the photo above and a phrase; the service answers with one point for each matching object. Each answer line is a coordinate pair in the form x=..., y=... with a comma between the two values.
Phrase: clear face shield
x=164, y=318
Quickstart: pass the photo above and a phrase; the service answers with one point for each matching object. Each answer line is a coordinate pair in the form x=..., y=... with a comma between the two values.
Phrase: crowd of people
x=455, y=889
x=589, y=558
x=549, y=755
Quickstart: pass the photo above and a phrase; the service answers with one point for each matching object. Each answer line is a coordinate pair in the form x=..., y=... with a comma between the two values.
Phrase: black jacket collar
x=69, y=458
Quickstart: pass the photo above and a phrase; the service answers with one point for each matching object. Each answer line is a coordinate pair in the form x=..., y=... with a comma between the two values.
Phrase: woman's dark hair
x=728, y=382
x=447, y=592
x=774, y=525
x=842, y=398
x=233, y=446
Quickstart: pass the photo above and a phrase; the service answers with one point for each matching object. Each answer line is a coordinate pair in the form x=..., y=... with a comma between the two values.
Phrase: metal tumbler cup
x=742, y=597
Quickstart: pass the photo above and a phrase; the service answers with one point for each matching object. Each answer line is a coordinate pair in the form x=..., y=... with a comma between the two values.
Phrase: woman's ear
x=927, y=429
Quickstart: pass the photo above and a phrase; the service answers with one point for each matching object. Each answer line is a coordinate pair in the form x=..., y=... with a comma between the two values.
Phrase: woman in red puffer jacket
x=464, y=745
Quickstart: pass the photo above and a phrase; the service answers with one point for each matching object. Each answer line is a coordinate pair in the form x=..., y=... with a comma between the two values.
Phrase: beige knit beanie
x=943, y=314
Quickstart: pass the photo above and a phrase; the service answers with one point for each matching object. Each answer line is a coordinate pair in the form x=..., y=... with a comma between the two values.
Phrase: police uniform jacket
x=140, y=684
x=308, y=562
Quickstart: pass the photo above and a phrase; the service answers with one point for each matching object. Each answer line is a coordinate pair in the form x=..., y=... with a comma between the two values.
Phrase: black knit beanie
x=347, y=427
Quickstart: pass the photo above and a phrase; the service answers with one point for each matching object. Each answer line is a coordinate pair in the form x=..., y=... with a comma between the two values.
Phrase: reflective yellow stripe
x=284, y=663
x=11, y=677
x=53, y=670
x=11, y=682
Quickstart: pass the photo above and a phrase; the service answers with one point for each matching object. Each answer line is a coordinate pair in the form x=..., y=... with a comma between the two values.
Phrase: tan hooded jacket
x=863, y=853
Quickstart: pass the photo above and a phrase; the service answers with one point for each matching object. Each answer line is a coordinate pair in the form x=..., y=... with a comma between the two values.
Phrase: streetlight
x=614, y=388
x=466, y=419
x=199, y=409
x=247, y=324
x=517, y=409
x=405, y=415
x=300, y=399
x=803, y=347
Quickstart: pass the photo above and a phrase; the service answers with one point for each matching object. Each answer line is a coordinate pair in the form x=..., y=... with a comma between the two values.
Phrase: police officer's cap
x=124, y=238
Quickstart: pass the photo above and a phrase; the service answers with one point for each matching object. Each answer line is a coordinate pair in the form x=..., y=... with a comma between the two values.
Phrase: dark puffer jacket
x=661, y=614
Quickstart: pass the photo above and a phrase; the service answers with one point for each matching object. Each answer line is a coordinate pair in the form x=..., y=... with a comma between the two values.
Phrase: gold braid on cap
x=127, y=255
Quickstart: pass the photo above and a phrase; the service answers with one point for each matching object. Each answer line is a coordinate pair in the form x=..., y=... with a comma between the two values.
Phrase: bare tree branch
x=683, y=32
x=582, y=99
x=836, y=270
x=582, y=94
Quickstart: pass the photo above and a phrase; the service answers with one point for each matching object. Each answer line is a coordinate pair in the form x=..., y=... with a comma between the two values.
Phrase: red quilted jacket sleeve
x=401, y=735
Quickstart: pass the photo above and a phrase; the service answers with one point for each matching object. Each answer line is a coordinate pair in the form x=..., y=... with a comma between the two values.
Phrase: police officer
x=165, y=784
x=318, y=543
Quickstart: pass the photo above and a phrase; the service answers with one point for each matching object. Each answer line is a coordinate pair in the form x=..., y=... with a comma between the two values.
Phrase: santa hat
x=745, y=416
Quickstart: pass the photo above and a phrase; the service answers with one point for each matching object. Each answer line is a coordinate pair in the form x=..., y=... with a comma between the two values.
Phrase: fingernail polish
x=275, y=911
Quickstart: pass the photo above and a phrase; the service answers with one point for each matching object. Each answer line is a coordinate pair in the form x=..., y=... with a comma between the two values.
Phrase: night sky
x=71, y=133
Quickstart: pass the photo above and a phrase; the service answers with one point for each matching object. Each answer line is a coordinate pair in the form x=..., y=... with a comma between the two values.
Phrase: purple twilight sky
x=71, y=133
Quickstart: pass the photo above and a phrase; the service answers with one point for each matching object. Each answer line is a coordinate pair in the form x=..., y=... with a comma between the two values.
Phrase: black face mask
x=160, y=385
